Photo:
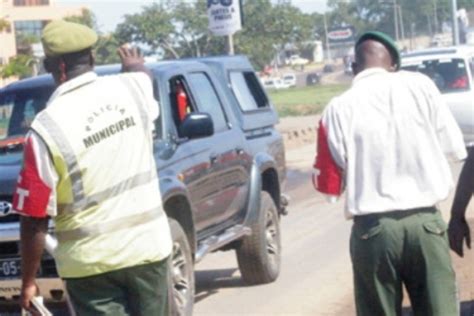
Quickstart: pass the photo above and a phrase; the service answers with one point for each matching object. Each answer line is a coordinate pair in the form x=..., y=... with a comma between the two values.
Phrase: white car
x=290, y=80
x=296, y=60
x=452, y=70
x=275, y=83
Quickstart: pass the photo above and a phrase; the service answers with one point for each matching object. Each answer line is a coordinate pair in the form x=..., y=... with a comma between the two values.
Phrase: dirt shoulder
x=298, y=130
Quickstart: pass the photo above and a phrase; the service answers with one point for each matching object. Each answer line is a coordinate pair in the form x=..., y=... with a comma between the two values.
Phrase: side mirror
x=196, y=125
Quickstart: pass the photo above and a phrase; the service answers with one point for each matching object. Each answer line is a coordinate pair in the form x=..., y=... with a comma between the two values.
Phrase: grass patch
x=306, y=100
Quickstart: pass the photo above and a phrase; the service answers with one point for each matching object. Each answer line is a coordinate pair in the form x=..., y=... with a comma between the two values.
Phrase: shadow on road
x=467, y=309
x=299, y=186
x=208, y=282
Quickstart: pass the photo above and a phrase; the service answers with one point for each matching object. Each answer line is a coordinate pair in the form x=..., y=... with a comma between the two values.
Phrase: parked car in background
x=451, y=69
x=275, y=83
x=347, y=61
x=312, y=79
x=296, y=60
x=290, y=80
x=470, y=36
x=348, y=69
x=441, y=40
x=328, y=68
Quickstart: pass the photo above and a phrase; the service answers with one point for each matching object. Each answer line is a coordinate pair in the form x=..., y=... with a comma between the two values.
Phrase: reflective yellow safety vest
x=99, y=133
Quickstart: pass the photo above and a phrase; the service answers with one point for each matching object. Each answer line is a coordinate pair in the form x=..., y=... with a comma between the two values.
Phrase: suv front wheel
x=259, y=255
x=181, y=273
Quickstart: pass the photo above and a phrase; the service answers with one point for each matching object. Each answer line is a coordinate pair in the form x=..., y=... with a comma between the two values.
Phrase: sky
x=109, y=13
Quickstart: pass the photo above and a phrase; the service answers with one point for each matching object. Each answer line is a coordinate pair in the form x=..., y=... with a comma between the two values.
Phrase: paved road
x=316, y=274
x=316, y=278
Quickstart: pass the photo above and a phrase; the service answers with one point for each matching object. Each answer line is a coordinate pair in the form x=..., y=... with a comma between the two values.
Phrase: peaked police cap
x=60, y=37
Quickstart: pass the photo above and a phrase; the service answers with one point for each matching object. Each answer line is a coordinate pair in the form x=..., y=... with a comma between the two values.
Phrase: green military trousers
x=138, y=291
x=407, y=247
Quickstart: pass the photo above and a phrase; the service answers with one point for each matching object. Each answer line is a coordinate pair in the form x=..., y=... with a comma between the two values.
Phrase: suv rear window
x=18, y=109
x=248, y=91
x=449, y=74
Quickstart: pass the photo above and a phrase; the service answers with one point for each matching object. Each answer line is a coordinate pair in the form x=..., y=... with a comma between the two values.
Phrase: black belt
x=397, y=214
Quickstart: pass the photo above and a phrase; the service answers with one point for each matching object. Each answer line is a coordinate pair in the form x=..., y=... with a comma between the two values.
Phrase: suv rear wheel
x=181, y=272
x=259, y=255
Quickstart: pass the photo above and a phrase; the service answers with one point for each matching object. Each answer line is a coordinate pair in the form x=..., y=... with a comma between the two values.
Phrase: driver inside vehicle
x=437, y=78
x=24, y=118
x=460, y=80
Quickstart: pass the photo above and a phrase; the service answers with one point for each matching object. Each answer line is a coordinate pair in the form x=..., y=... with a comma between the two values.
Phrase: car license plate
x=10, y=268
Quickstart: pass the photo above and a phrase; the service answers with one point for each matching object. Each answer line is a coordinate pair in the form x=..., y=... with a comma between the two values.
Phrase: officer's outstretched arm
x=132, y=60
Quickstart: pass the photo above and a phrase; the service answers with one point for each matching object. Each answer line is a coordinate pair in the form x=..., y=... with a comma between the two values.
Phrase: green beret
x=61, y=37
x=384, y=39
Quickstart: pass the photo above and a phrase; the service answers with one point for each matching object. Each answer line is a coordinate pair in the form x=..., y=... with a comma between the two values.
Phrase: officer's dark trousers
x=138, y=291
x=402, y=247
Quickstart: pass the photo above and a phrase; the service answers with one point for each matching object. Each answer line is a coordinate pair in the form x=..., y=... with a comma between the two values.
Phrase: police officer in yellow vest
x=89, y=165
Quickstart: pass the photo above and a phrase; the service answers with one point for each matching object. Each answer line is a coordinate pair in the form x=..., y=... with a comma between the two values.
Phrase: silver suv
x=452, y=70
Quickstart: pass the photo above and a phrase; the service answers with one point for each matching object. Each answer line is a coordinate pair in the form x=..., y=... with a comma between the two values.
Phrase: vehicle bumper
x=51, y=289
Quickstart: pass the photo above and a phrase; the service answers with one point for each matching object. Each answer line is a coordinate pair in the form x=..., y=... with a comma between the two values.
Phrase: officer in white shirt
x=385, y=142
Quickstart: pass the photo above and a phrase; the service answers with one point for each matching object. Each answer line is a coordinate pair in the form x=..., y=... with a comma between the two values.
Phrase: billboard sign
x=224, y=16
x=341, y=35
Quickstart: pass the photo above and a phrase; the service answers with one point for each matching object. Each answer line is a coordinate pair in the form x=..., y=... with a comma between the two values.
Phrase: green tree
x=267, y=28
x=24, y=64
x=290, y=25
x=87, y=17
x=256, y=39
x=19, y=66
x=362, y=14
x=153, y=27
x=180, y=28
x=105, y=50
x=190, y=20
x=425, y=16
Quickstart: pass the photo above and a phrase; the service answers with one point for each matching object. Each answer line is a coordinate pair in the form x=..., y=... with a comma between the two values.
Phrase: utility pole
x=402, y=27
x=230, y=44
x=454, y=6
x=327, y=39
x=395, y=19
x=435, y=21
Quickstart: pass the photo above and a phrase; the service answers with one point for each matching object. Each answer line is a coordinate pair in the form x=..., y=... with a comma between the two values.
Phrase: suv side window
x=248, y=91
x=180, y=99
x=18, y=109
x=207, y=99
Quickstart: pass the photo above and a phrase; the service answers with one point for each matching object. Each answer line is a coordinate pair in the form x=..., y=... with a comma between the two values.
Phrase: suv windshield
x=18, y=108
x=449, y=74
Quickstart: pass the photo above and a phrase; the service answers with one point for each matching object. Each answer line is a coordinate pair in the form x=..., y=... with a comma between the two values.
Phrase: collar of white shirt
x=73, y=84
x=368, y=73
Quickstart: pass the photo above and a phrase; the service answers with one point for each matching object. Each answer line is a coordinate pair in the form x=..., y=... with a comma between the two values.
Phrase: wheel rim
x=272, y=237
x=181, y=283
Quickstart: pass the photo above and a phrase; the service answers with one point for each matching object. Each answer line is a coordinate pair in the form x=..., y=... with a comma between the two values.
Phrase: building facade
x=26, y=19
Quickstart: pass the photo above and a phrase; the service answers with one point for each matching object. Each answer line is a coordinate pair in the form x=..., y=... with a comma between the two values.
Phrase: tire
x=259, y=255
x=181, y=273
